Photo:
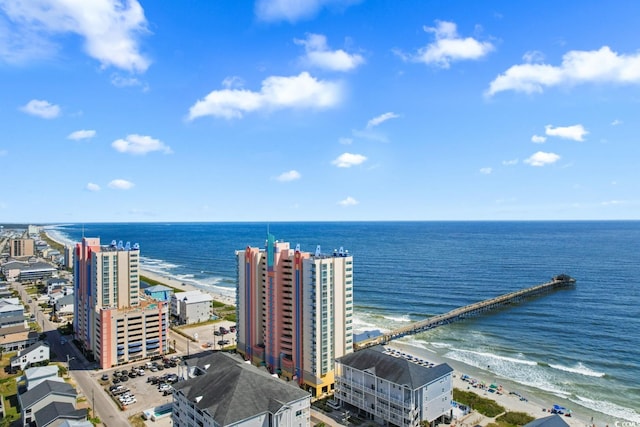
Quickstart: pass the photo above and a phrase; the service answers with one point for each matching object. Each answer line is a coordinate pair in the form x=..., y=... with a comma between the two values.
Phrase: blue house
x=159, y=292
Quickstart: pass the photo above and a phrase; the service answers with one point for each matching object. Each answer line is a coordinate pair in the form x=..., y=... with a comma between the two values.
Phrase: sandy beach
x=184, y=286
x=511, y=402
x=166, y=280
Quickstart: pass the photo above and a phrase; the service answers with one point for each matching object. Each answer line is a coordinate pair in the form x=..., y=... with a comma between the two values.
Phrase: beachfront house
x=191, y=307
x=393, y=390
x=229, y=392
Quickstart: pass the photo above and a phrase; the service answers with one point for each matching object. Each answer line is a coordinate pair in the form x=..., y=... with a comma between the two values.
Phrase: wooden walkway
x=560, y=281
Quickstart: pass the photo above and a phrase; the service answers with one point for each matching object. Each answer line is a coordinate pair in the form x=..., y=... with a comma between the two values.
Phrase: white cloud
x=119, y=80
x=81, y=134
x=121, y=184
x=616, y=122
x=381, y=119
x=575, y=132
x=541, y=158
x=140, y=144
x=349, y=201
x=319, y=55
x=449, y=47
x=538, y=139
x=3, y=153
x=92, y=187
x=577, y=67
x=510, y=162
x=41, y=108
x=291, y=175
x=232, y=82
x=533, y=56
x=294, y=10
x=345, y=141
x=486, y=171
x=346, y=160
x=110, y=28
x=301, y=91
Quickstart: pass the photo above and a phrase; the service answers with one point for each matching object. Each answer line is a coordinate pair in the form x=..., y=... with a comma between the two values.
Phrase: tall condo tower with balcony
x=295, y=311
x=112, y=321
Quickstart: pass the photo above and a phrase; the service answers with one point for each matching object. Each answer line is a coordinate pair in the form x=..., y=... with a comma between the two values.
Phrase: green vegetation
x=152, y=282
x=485, y=406
x=8, y=392
x=52, y=243
x=224, y=311
x=66, y=329
x=136, y=421
x=513, y=419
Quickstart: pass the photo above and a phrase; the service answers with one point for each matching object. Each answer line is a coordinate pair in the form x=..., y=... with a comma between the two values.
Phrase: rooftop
x=396, y=370
x=232, y=390
x=42, y=390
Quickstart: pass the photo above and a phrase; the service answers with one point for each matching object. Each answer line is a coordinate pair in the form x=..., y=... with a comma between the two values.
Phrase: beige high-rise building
x=295, y=311
x=21, y=248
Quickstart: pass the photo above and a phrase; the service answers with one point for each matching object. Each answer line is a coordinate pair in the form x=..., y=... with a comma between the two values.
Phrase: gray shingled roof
x=554, y=420
x=43, y=389
x=395, y=369
x=55, y=410
x=232, y=391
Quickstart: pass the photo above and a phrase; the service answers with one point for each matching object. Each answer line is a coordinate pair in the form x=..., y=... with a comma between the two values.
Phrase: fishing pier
x=558, y=282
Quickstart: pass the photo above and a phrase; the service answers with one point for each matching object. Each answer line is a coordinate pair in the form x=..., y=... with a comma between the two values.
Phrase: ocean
x=578, y=347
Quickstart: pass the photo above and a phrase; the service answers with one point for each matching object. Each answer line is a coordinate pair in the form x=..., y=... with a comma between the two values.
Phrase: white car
x=129, y=401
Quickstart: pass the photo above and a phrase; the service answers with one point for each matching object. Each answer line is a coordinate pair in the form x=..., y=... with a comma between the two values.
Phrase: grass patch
x=8, y=391
x=514, y=419
x=136, y=420
x=52, y=243
x=218, y=304
x=152, y=282
x=486, y=407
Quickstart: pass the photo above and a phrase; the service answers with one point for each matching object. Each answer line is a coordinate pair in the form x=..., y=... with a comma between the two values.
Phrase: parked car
x=105, y=377
x=124, y=378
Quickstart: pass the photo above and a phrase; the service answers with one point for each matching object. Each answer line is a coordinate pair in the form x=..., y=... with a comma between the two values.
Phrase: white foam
x=503, y=358
x=404, y=318
x=441, y=345
x=608, y=408
x=579, y=368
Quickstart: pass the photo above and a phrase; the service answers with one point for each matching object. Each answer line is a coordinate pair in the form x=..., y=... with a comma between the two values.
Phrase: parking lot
x=138, y=392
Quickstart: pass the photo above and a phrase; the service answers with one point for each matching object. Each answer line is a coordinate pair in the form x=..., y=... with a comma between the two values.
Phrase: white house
x=393, y=390
x=192, y=306
x=229, y=392
x=64, y=305
x=31, y=355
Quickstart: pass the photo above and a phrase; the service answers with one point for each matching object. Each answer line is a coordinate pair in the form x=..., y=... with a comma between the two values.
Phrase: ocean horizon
x=576, y=346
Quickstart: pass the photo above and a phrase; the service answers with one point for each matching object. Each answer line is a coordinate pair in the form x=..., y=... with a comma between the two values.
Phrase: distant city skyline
x=318, y=110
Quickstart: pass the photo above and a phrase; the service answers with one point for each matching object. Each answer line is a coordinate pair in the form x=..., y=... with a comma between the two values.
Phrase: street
x=79, y=370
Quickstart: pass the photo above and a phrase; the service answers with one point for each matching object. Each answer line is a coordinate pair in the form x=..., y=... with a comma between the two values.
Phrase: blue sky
x=278, y=110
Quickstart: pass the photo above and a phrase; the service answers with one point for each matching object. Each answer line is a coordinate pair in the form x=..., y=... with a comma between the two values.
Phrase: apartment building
x=393, y=390
x=112, y=320
x=295, y=311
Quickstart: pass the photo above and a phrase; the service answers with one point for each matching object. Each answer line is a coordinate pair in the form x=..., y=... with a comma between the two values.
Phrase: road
x=82, y=372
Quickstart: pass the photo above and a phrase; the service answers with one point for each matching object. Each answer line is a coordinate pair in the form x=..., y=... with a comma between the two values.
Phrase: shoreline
x=511, y=402
x=580, y=414
x=165, y=280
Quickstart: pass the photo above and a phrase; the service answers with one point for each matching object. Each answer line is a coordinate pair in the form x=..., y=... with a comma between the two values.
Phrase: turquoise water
x=579, y=345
